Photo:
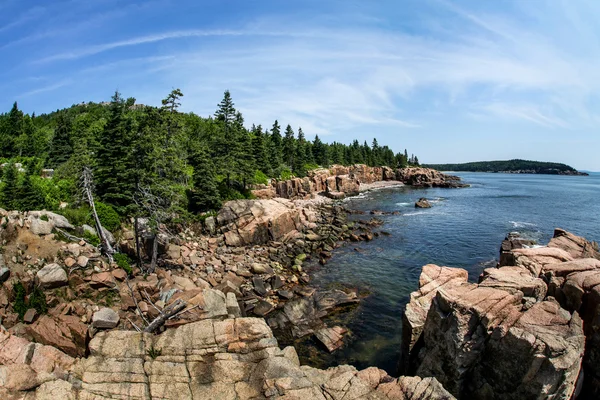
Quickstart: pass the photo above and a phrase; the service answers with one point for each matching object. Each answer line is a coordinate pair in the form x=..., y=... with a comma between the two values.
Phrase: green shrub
x=309, y=167
x=92, y=239
x=77, y=216
x=123, y=262
x=260, y=178
x=20, y=304
x=108, y=216
x=285, y=174
x=37, y=300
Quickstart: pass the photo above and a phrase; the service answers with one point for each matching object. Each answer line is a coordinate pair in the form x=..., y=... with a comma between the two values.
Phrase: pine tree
x=320, y=152
x=226, y=143
x=299, y=160
x=259, y=149
x=9, y=195
x=204, y=195
x=275, y=146
x=29, y=197
x=375, y=151
x=61, y=147
x=288, y=146
x=115, y=171
x=13, y=128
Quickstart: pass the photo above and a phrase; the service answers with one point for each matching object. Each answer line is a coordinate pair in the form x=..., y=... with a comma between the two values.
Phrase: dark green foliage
x=510, y=165
x=123, y=262
x=275, y=149
x=92, y=239
x=9, y=195
x=30, y=197
x=115, y=171
x=108, y=216
x=61, y=147
x=153, y=352
x=205, y=194
x=20, y=303
x=183, y=162
x=37, y=300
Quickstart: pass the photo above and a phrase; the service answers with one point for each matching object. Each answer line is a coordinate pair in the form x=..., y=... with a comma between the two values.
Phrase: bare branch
x=167, y=313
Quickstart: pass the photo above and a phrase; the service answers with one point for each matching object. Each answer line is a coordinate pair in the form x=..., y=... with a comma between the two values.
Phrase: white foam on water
x=520, y=224
x=407, y=204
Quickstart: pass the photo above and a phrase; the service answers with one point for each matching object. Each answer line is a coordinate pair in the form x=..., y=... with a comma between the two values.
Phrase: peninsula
x=515, y=166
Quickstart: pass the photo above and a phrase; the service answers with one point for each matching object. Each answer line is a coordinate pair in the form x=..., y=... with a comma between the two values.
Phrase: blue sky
x=452, y=81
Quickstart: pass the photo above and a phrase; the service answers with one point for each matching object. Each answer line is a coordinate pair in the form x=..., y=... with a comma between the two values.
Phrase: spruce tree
x=204, y=195
x=288, y=146
x=61, y=147
x=275, y=150
x=320, y=152
x=9, y=195
x=115, y=171
x=259, y=149
x=29, y=197
x=299, y=161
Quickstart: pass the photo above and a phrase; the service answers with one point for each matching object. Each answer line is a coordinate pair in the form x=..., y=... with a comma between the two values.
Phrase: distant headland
x=511, y=167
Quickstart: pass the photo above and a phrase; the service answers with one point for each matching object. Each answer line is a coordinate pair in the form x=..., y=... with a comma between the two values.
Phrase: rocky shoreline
x=528, y=330
x=247, y=260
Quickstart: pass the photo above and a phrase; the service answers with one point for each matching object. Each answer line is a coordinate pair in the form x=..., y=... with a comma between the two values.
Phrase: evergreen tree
x=288, y=146
x=29, y=197
x=259, y=149
x=9, y=195
x=275, y=146
x=115, y=171
x=320, y=152
x=375, y=151
x=204, y=195
x=61, y=147
x=299, y=160
x=11, y=130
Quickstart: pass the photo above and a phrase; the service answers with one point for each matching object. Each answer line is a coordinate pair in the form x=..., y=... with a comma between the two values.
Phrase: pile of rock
x=519, y=333
x=229, y=359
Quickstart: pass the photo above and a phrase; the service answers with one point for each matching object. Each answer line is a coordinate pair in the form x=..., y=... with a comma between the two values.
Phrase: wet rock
x=105, y=318
x=332, y=338
x=52, y=276
x=285, y=294
x=262, y=308
x=422, y=203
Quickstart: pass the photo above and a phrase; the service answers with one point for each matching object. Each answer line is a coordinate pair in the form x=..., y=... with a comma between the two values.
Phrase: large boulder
x=514, y=280
x=65, y=332
x=248, y=222
x=51, y=276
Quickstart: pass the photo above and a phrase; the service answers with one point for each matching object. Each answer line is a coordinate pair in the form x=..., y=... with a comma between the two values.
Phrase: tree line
x=146, y=158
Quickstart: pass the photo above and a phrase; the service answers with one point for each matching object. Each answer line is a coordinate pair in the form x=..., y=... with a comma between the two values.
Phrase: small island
x=511, y=167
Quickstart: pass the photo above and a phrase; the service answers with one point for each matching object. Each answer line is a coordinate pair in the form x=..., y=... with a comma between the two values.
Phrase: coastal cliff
x=527, y=330
x=340, y=181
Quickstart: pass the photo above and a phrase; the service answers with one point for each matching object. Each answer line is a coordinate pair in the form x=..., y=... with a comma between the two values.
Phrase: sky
x=451, y=81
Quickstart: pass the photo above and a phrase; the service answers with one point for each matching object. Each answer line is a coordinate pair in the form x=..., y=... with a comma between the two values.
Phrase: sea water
x=464, y=228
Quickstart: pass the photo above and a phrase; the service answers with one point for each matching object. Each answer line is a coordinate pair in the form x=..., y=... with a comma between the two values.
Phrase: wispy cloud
x=43, y=89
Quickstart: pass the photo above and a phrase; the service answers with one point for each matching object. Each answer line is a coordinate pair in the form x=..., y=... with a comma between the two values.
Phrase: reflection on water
x=463, y=229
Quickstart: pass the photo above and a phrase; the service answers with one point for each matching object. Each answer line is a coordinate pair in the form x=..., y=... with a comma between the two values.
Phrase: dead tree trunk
x=87, y=186
x=167, y=313
x=137, y=242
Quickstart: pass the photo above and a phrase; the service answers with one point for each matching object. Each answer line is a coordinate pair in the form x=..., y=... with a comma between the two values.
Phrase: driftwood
x=87, y=186
x=165, y=314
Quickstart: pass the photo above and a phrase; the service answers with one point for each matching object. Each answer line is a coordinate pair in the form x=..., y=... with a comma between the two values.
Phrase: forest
x=145, y=158
x=522, y=166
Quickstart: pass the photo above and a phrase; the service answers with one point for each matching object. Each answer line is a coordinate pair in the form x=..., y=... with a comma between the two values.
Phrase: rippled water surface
x=464, y=228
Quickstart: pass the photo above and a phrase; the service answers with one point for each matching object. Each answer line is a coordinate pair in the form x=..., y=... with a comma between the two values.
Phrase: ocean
x=464, y=228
